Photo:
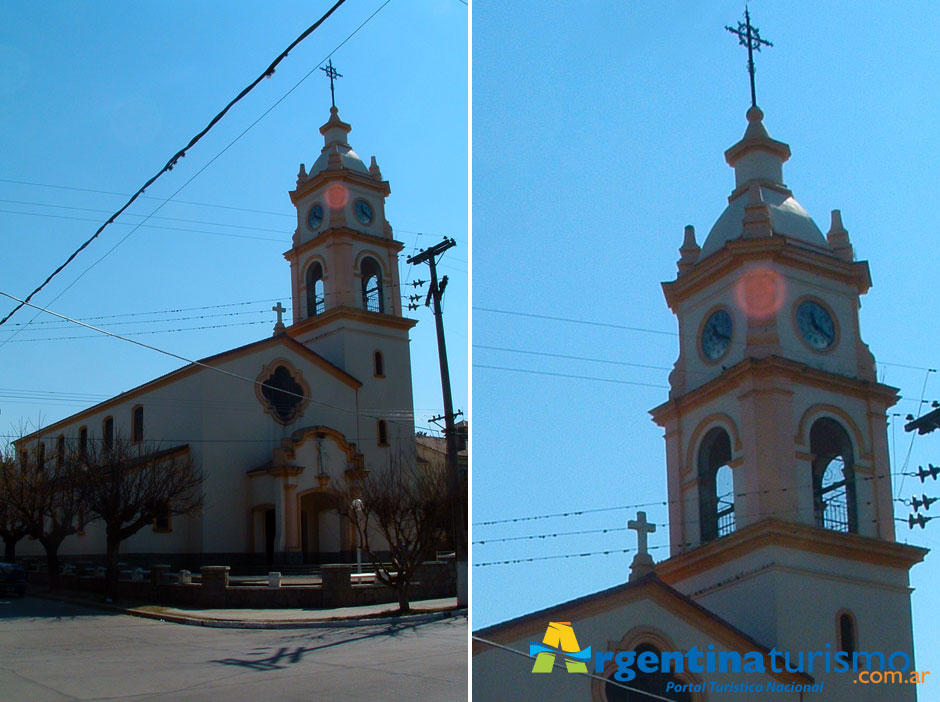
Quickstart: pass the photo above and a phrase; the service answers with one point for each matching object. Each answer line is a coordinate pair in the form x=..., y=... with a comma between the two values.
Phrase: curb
x=363, y=620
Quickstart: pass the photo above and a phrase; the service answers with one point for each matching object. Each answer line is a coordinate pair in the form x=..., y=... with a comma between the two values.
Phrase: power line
x=184, y=202
x=170, y=311
x=144, y=197
x=137, y=333
x=129, y=214
x=573, y=358
x=656, y=503
x=176, y=157
x=574, y=321
x=177, y=356
x=646, y=330
x=569, y=375
x=532, y=537
x=142, y=224
x=586, y=554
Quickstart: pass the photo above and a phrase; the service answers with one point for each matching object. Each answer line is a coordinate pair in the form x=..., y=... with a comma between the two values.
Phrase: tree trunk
x=52, y=563
x=404, y=607
x=112, y=574
x=9, y=549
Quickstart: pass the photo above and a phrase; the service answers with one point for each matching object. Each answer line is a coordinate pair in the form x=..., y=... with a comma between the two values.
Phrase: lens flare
x=759, y=293
x=337, y=195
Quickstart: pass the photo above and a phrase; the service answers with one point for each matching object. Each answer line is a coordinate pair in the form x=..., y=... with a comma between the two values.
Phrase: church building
x=280, y=427
x=781, y=520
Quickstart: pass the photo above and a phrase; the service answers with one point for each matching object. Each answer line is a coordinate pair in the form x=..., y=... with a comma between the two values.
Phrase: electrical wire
x=656, y=503
x=176, y=157
x=144, y=197
x=131, y=214
x=645, y=330
x=569, y=375
x=181, y=358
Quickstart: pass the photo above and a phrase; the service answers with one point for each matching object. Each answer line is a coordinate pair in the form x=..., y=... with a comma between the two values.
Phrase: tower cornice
x=776, y=249
x=319, y=180
x=343, y=312
x=774, y=532
x=753, y=371
x=342, y=235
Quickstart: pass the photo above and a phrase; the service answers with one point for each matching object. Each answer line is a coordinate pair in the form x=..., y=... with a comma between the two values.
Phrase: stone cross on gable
x=280, y=309
x=642, y=561
x=642, y=529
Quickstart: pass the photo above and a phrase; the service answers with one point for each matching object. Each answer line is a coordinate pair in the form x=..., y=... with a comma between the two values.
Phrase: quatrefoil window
x=283, y=392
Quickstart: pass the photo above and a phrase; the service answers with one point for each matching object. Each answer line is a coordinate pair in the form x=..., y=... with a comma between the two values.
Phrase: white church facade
x=280, y=428
x=781, y=520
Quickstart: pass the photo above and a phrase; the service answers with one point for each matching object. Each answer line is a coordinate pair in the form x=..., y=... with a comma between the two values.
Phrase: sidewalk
x=421, y=610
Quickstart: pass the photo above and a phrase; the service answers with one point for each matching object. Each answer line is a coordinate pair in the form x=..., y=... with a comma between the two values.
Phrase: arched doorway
x=324, y=534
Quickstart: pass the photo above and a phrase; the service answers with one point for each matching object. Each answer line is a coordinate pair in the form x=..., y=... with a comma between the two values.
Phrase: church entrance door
x=322, y=536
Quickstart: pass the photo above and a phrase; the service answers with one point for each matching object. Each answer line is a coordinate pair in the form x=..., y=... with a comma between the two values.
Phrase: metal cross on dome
x=749, y=36
x=332, y=73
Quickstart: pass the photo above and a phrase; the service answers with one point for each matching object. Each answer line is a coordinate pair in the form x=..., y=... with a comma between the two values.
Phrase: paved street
x=52, y=651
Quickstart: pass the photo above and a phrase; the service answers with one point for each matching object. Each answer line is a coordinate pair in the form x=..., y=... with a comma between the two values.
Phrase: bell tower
x=780, y=502
x=345, y=286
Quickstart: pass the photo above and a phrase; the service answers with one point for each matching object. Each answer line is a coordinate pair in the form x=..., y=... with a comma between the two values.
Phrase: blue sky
x=598, y=133
x=98, y=96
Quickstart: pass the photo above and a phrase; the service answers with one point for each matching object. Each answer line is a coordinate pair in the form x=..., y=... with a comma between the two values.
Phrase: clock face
x=315, y=217
x=363, y=211
x=716, y=335
x=815, y=325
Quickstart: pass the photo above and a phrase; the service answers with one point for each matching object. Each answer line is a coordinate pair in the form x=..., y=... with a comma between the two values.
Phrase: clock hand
x=818, y=328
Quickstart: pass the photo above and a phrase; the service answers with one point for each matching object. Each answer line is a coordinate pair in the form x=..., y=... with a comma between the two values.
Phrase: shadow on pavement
x=284, y=656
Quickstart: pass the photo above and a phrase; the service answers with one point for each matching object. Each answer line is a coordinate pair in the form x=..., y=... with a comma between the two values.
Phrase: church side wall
x=172, y=417
x=765, y=595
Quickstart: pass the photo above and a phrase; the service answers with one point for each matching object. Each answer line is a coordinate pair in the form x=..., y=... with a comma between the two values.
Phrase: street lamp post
x=357, y=508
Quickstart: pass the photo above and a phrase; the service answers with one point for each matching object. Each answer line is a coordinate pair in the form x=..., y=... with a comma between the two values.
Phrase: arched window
x=59, y=451
x=833, y=476
x=137, y=421
x=107, y=432
x=42, y=455
x=379, y=364
x=316, y=301
x=83, y=441
x=716, y=485
x=383, y=433
x=847, y=633
x=653, y=683
x=372, y=293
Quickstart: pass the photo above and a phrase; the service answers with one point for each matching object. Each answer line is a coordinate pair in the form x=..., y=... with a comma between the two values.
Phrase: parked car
x=12, y=578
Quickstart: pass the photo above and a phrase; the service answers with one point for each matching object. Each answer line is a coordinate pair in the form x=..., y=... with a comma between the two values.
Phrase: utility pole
x=435, y=293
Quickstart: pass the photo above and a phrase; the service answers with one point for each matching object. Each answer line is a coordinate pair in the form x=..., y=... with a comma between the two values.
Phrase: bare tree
x=130, y=484
x=12, y=526
x=42, y=494
x=405, y=510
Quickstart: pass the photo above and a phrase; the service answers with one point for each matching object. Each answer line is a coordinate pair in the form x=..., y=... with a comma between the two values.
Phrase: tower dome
x=335, y=133
x=758, y=168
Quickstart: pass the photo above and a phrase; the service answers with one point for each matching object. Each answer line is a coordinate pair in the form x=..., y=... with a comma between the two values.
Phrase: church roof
x=180, y=373
x=648, y=587
x=758, y=161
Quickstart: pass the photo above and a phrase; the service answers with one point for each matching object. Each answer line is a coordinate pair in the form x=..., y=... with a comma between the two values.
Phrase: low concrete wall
x=434, y=579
